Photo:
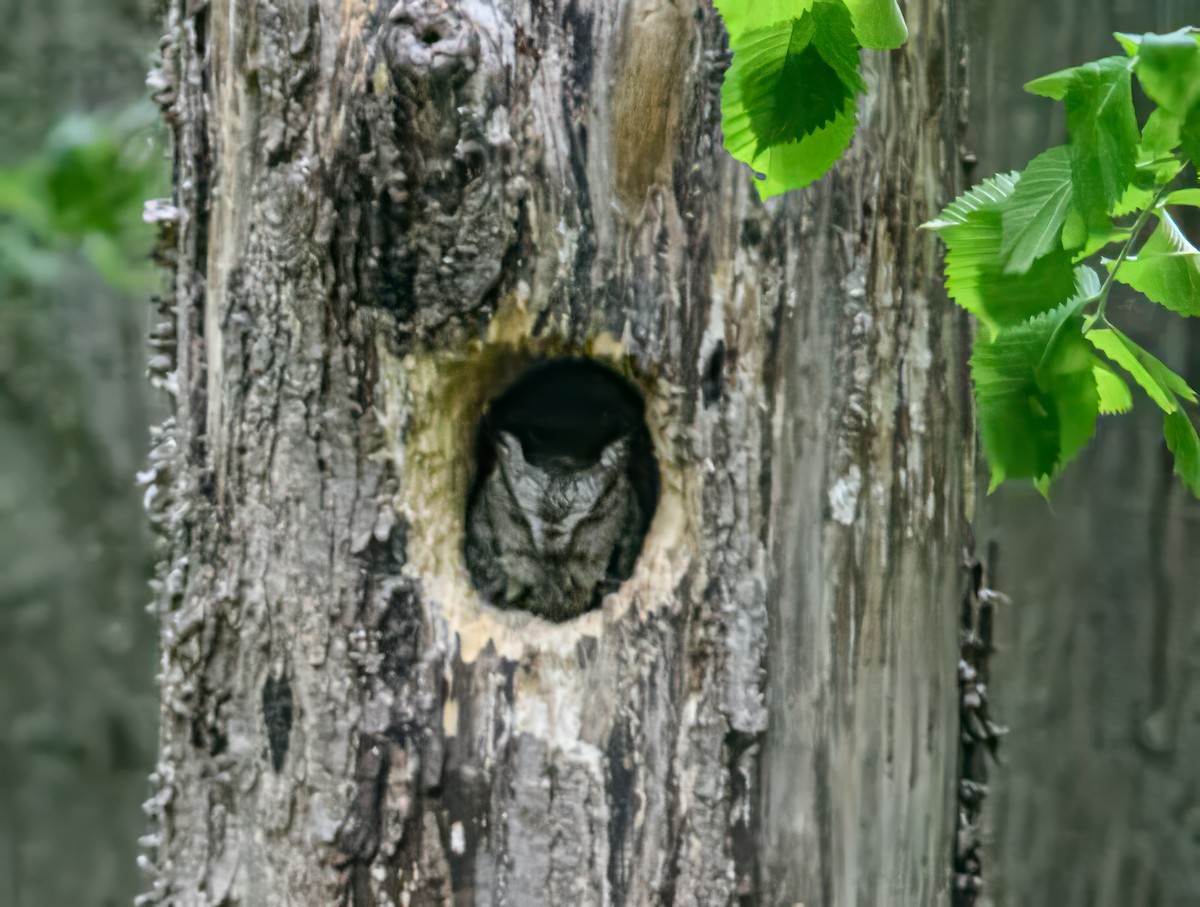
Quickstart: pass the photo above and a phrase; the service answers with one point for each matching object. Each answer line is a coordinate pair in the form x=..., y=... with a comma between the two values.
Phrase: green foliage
x=1166, y=269
x=1113, y=391
x=1032, y=223
x=806, y=51
x=879, y=24
x=972, y=228
x=1183, y=443
x=1015, y=246
x=788, y=102
x=82, y=195
x=1158, y=381
x=1104, y=133
x=1036, y=394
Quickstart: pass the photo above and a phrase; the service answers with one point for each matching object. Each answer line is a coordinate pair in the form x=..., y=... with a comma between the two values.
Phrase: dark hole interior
x=564, y=414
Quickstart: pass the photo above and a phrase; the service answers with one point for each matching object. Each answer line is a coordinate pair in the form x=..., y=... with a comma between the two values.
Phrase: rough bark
x=1097, y=802
x=385, y=215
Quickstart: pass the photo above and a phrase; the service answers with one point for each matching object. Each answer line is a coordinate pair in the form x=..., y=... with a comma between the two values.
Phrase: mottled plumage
x=551, y=537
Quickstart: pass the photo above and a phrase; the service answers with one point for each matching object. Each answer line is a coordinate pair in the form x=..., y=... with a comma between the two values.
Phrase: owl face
x=555, y=499
x=565, y=485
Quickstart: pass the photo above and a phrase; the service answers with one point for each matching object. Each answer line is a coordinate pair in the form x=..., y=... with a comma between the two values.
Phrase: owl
x=558, y=509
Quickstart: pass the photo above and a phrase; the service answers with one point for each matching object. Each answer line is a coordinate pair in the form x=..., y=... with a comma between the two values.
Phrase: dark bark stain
x=208, y=731
x=743, y=764
x=464, y=801
x=277, y=716
x=579, y=293
x=752, y=232
x=583, y=52
x=714, y=375
x=358, y=838
x=464, y=796
x=400, y=636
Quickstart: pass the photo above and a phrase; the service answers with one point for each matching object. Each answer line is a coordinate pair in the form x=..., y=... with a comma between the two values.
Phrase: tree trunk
x=385, y=217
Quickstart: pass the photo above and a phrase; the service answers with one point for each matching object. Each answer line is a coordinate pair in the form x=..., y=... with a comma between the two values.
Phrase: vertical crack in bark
x=979, y=736
x=277, y=716
x=620, y=785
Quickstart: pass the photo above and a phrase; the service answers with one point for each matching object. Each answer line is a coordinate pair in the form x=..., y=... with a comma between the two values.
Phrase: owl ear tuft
x=509, y=448
x=615, y=454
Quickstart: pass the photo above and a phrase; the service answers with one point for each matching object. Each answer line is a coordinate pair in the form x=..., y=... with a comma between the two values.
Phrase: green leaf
x=879, y=24
x=1166, y=269
x=1182, y=441
x=82, y=193
x=788, y=88
x=793, y=166
x=1103, y=129
x=743, y=16
x=1036, y=392
x=971, y=226
x=1113, y=391
x=1151, y=174
x=1184, y=197
x=787, y=103
x=991, y=193
x=1160, y=135
x=1104, y=135
x=1096, y=241
x=1159, y=382
x=1075, y=231
x=1168, y=68
x=1189, y=136
x=1032, y=220
x=1154, y=169
x=1053, y=86
x=1164, y=376
x=1128, y=42
x=1135, y=198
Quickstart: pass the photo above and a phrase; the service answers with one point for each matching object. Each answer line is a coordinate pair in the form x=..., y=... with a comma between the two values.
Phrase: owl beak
x=545, y=536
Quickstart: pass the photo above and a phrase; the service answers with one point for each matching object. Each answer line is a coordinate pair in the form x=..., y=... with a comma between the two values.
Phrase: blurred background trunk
x=78, y=707
x=1097, y=802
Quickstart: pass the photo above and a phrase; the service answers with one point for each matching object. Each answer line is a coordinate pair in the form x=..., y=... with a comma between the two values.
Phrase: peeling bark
x=385, y=217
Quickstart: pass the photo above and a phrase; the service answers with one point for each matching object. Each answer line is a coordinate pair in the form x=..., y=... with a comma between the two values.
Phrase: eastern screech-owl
x=565, y=486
